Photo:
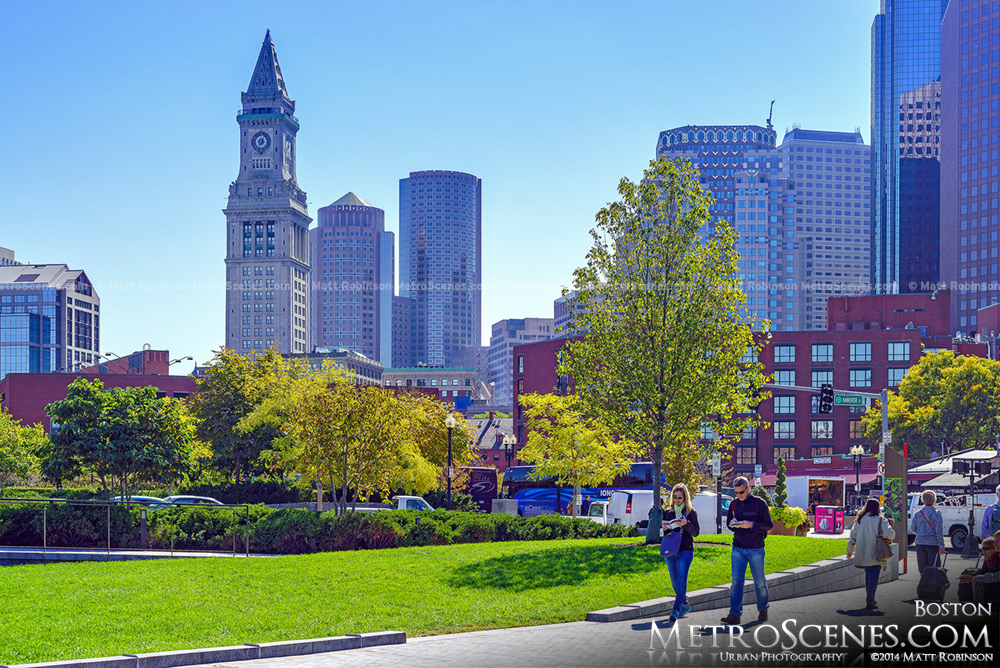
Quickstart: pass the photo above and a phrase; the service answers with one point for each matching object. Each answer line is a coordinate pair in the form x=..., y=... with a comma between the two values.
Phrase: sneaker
x=685, y=608
x=731, y=619
x=762, y=616
x=871, y=606
x=673, y=618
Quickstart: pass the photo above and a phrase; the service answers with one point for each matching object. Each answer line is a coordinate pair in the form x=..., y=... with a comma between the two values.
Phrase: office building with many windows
x=267, y=222
x=905, y=144
x=50, y=319
x=970, y=160
x=505, y=335
x=832, y=217
x=440, y=262
x=346, y=257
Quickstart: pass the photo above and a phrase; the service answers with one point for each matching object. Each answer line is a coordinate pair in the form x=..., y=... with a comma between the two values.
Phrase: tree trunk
x=576, y=495
x=343, y=496
x=653, y=528
x=239, y=467
x=319, y=494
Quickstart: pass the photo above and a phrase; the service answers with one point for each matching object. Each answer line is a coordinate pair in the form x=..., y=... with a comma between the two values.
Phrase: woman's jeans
x=871, y=581
x=926, y=556
x=679, y=565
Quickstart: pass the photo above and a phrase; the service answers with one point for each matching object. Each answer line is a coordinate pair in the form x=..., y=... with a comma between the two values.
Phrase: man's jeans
x=740, y=558
x=678, y=566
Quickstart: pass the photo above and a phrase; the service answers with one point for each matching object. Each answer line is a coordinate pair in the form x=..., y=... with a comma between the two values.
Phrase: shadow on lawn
x=557, y=567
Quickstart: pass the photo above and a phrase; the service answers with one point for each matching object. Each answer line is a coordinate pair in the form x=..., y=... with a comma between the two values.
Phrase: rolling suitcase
x=933, y=582
x=965, y=588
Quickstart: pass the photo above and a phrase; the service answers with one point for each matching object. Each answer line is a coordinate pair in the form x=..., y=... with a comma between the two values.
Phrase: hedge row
x=285, y=531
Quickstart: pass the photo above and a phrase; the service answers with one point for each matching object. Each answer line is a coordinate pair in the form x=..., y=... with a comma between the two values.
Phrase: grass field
x=90, y=609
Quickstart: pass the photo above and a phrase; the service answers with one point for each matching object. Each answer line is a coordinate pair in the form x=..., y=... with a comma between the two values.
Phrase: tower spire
x=266, y=81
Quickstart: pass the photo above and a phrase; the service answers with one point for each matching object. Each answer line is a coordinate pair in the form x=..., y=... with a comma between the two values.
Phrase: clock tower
x=267, y=222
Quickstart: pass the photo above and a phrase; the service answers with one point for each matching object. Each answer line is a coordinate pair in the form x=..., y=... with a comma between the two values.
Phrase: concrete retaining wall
x=822, y=577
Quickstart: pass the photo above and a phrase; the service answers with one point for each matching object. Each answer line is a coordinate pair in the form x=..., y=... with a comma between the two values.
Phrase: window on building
x=784, y=429
x=822, y=429
x=746, y=455
x=520, y=363
x=861, y=378
x=784, y=453
x=899, y=351
x=784, y=353
x=857, y=429
x=861, y=352
x=784, y=376
x=784, y=405
x=822, y=451
x=708, y=432
x=750, y=434
x=896, y=376
x=822, y=352
x=823, y=377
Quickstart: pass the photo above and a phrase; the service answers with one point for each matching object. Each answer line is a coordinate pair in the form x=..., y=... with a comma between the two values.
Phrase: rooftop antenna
x=770, y=113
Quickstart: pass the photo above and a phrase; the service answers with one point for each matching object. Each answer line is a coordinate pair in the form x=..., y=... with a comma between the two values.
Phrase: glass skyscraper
x=905, y=121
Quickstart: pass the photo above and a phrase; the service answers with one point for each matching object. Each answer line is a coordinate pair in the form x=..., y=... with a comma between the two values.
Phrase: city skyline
x=531, y=101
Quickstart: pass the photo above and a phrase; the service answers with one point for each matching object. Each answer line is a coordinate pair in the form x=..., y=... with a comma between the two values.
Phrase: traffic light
x=826, y=398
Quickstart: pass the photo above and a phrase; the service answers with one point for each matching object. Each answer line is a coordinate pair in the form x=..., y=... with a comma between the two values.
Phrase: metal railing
x=172, y=510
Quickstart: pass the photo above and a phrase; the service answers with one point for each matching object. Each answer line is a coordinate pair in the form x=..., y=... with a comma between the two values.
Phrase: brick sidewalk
x=619, y=644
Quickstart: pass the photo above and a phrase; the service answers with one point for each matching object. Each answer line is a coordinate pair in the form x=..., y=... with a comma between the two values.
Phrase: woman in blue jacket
x=682, y=518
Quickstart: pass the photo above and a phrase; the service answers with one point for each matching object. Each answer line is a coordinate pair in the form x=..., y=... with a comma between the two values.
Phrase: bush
x=361, y=530
x=287, y=531
x=253, y=491
x=790, y=515
x=762, y=493
x=460, y=501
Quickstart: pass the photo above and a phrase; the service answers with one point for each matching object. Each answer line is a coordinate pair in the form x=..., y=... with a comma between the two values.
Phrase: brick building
x=870, y=343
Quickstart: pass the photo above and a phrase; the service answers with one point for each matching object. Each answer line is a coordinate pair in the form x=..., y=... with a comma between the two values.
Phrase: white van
x=630, y=506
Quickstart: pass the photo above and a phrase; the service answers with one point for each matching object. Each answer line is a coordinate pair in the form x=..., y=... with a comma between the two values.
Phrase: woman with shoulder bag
x=680, y=520
x=868, y=545
x=928, y=527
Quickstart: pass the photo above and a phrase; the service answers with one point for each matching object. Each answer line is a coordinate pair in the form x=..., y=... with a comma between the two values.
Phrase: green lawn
x=80, y=610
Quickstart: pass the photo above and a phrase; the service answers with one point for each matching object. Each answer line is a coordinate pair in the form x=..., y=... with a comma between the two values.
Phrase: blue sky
x=121, y=138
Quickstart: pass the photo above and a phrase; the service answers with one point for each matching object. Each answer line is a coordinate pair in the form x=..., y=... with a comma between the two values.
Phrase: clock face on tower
x=260, y=142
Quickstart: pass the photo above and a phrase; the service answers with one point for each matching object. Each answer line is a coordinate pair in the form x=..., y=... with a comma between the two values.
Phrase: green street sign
x=848, y=400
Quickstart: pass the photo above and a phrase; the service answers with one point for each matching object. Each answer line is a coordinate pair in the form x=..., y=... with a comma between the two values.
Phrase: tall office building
x=831, y=173
x=740, y=166
x=267, y=222
x=387, y=290
x=505, y=335
x=6, y=257
x=970, y=166
x=346, y=251
x=905, y=121
x=440, y=262
x=50, y=319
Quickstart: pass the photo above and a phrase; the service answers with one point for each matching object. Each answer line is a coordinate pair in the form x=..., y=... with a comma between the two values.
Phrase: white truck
x=955, y=514
x=398, y=503
x=806, y=491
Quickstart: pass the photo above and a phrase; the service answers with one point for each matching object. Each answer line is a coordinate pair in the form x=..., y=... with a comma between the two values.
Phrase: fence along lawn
x=91, y=609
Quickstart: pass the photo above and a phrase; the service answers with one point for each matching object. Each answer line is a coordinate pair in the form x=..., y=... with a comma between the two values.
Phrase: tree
x=426, y=424
x=123, y=435
x=945, y=400
x=780, y=486
x=571, y=447
x=18, y=444
x=668, y=341
x=231, y=390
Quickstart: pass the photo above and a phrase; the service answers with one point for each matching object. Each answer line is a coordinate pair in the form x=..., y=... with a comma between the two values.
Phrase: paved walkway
x=586, y=644
x=25, y=555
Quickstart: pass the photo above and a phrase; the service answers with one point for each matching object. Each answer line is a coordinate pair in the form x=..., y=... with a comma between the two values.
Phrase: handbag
x=883, y=546
x=671, y=544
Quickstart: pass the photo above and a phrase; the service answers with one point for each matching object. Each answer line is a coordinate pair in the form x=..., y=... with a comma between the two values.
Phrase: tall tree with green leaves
x=18, y=445
x=945, y=401
x=123, y=436
x=669, y=343
x=228, y=392
x=565, y=444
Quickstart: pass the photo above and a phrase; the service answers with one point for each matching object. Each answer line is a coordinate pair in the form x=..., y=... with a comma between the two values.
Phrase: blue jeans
x=871, y=581
x=740, y=558
x=679, y=565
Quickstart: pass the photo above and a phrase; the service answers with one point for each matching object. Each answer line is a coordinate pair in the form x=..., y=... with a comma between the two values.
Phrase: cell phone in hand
x=735, y=523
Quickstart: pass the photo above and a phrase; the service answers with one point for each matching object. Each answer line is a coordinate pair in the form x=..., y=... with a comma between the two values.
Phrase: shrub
x=460, y=501
x=780, y=486
x=762, y=493
x=361, y=530
x=287, y=531
x=252, y=491
x=790, y=515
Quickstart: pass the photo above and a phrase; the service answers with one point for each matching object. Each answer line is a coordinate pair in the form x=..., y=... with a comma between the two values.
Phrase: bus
x=482, y=486
x=543, y=497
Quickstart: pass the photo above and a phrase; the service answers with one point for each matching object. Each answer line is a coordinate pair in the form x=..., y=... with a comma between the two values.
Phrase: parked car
x=629, y=506
x=598, y=512
x=184, y=500
x=147, y=501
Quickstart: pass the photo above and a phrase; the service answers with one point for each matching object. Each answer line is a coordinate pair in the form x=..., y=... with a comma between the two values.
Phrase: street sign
x=757, y=470
x=881, y=468
x=887, y=439
x=881, y=500
x=716, y=466
x=848, y=400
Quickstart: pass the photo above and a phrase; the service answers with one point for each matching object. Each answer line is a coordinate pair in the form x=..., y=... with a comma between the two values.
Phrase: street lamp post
x=449, y=422
x=857, y=451
x=509, y=442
